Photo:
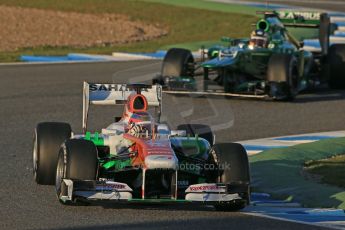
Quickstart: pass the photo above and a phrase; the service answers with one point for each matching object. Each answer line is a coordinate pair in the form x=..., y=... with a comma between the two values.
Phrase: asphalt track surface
x=33, y=93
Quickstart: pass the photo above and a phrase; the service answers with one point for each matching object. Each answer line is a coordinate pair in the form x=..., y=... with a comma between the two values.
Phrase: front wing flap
x=212, y=193
x=94, y=190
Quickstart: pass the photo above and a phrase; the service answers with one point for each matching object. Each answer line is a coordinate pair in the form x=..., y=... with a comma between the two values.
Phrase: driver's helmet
x=140, y=125
x=258, y=39
x=140, y=117
x=137, y=130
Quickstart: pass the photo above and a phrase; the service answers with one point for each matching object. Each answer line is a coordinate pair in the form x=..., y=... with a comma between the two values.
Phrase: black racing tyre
x=178, y=62
x=336, y=60
x=282, y=76
x=48, y=138
x=233, y=169
x=227, y=80
x=203, y=131
x=235, y=155
x=77, y=161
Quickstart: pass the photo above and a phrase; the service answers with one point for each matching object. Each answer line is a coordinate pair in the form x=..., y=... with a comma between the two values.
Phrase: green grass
x=184, y=24
x=299, y=33
x=194, y=45
x=331, y=170
x=209, y=5
x=279, y=172
x=190, y=24
x=303, y=33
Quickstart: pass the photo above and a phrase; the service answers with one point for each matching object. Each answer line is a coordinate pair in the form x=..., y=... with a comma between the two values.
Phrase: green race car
x=271, y=63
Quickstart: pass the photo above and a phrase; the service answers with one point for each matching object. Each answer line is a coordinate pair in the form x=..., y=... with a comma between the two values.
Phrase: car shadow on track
x=221, y=222
x=153, y=206
x=321, y=95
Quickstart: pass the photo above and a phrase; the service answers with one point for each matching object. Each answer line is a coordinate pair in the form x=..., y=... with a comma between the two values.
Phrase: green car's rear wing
x=301, y=18
x=305, y=19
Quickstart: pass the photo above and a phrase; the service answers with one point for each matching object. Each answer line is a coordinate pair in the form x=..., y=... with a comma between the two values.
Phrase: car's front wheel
x=77, y=161
x=177, y=63
x=282, y=76
x=48, y=138
x=233, y=170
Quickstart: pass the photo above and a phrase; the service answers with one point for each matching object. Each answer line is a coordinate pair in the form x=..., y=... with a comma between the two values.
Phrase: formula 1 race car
x=271, y=63
x=137, y=158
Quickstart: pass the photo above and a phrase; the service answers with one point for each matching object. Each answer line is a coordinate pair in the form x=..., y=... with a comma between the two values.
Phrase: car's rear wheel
x=282, y=76
x=203, y=131
x=336, y=60
x=48, y=138
x=233, y=169
x=77, y=161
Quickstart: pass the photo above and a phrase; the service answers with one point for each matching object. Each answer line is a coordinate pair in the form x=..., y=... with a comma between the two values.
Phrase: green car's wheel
x=233, y=169
x=178, y=62
x=48, y=138
x=77, y=161
x=282, y=75
x=336, y=59
x=203, y=131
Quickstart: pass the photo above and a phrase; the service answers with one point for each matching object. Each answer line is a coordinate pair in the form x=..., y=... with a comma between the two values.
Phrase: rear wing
x=306, y=19
x=301, y=18
x=117, y=94
x=309, y=19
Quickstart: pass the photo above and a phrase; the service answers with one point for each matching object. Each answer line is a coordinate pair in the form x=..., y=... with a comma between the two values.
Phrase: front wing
x=208, y=193
x=201, y=87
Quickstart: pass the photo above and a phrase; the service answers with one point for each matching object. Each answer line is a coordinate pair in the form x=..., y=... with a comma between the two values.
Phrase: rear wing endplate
x=117, y=94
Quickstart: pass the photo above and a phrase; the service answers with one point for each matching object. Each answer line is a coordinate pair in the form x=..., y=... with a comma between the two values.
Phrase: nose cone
x=161, y=162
